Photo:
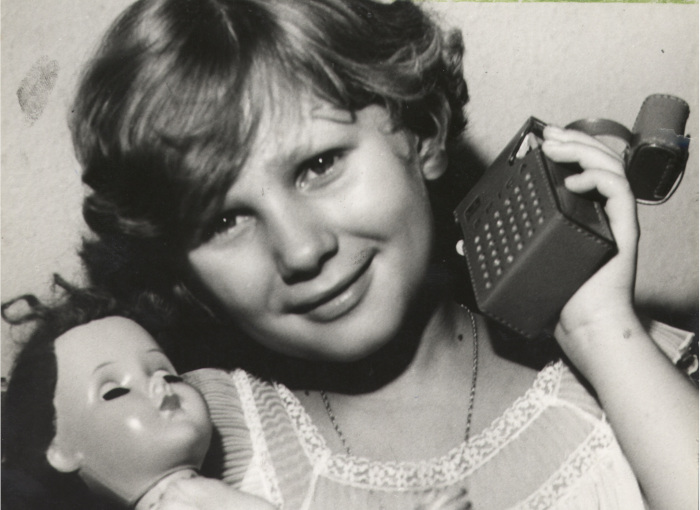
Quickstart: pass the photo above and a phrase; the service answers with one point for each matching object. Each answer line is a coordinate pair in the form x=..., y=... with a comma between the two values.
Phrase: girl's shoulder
x=208, y=380
x=232, y=451
x=505, y=383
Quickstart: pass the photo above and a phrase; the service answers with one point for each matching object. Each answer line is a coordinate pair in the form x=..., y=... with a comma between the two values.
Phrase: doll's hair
x=168, y=107
x=28, y=413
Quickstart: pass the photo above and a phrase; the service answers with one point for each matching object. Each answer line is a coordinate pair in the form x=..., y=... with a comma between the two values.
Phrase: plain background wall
x=557, y=61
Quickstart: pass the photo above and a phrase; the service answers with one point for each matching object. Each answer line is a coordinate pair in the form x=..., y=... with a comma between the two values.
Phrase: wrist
x=602, y=345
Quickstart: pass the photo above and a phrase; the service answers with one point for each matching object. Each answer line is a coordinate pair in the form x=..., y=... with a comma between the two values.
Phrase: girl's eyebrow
x=332, y=113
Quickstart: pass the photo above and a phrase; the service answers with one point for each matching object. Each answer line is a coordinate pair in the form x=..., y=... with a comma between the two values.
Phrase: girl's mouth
x=341, y=298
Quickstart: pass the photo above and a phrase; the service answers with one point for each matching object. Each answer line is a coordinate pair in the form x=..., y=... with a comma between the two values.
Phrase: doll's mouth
x=170, y=403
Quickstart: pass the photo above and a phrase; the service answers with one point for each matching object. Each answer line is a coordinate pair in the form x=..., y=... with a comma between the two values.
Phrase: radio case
x=528, y=241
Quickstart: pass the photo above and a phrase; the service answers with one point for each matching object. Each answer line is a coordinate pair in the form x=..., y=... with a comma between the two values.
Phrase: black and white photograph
x=349, y=254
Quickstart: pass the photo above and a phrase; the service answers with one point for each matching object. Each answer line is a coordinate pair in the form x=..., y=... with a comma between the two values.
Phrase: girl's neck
x=416, y=412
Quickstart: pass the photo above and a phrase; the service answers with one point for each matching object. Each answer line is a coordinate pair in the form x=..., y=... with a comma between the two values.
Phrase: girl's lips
x=340, y=299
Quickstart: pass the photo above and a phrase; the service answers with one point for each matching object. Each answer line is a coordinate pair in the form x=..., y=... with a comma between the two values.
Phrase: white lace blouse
x=552, y=448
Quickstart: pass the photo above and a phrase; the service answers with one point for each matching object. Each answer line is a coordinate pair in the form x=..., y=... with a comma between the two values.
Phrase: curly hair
x=28, y=413
x=167, y=109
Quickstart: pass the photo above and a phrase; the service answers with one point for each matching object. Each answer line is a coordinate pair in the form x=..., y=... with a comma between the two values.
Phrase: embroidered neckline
x=456, y=464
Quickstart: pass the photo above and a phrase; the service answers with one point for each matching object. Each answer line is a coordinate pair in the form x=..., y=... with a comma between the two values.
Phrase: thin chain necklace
x=472, y=391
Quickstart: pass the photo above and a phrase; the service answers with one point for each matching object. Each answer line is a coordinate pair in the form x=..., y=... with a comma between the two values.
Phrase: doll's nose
x=159, y=386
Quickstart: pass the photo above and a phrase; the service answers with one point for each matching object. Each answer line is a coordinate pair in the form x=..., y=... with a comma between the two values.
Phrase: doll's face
x=124, y=418
x=326, y=234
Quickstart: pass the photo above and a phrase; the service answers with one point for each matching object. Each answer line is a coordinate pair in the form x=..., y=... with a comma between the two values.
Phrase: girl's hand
x=202, y=493
x=606, y=300
x=455, y=498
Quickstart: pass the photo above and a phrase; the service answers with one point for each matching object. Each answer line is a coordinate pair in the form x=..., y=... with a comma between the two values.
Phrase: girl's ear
x=433, y=159
x=432, y=152
x=61, y=460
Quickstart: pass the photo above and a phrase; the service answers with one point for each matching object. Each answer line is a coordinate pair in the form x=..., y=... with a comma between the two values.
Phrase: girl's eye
x=319, y=167
x=225, y=222
x=115, y=393
x=171, y=378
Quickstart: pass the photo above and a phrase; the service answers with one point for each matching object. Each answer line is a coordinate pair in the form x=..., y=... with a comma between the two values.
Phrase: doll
x=93, y=395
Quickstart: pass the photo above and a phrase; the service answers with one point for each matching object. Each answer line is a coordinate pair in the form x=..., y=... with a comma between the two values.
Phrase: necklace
x=472, y=391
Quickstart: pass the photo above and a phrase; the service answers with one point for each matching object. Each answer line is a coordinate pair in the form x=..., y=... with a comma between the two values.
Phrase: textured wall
x=557, y=61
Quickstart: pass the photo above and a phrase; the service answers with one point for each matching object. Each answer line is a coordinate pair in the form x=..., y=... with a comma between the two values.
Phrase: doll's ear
x=60, y=460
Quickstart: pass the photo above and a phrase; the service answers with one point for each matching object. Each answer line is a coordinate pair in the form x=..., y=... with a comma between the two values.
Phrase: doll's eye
x=171, y=378
x=115, y=393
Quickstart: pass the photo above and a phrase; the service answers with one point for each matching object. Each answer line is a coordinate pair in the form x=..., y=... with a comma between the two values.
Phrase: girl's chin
x=339, y=347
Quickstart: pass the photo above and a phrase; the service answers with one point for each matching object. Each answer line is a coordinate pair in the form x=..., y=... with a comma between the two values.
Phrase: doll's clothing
x=551, y=449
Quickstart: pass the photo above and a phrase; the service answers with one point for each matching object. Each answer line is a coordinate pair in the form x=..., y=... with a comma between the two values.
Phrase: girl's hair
x=28, y=413
x=167, y=109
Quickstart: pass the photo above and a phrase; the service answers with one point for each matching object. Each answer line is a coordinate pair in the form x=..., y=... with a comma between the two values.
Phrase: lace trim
x=578, y=463
x=252, y=418
x=457, y=464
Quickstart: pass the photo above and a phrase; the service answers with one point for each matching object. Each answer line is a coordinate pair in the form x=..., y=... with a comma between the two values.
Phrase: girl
x=284, y=173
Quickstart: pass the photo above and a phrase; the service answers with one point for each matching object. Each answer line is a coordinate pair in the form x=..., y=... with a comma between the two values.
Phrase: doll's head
x=179, y=92
x=93, y=395
x=124, y=419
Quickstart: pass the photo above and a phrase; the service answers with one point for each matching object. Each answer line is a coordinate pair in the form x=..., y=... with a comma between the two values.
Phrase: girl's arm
x=651, y=405
x=208, y=494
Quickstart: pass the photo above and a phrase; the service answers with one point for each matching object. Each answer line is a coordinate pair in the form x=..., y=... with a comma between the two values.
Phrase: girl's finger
x=453, y=499
x=587, y=156
x=572, y=135
x=174, y=505
x=620, y=205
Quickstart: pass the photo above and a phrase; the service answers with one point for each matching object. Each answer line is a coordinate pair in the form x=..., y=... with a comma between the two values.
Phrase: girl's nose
x=302, y=244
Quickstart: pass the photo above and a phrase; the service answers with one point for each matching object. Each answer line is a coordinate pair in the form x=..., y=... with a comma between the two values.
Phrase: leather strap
x=602, y=127
x=656, y=150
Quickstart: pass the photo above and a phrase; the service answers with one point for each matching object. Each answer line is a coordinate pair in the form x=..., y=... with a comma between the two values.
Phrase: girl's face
x=325, y=236
x=123, y=417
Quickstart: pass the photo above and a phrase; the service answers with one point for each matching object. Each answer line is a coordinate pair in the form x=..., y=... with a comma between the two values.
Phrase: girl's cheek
x=382, y=203
x=241, y=284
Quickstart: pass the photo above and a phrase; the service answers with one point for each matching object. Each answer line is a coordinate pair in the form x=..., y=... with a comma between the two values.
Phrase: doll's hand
x=449, y=499
x=202, y=493
x=606, y=300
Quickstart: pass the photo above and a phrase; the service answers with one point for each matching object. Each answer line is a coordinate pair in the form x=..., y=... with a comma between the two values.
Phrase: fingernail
x=550, y=144
x=553, y=131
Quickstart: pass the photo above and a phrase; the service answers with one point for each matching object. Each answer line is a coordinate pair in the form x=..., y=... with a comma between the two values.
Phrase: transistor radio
x=530, y=243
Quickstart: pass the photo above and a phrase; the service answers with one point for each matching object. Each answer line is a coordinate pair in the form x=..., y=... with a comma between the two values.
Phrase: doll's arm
x=652, y=407
x=200, y=493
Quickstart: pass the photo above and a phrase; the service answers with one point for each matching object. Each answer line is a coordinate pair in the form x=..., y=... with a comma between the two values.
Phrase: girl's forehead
x=289, y=106
x=288, y=119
